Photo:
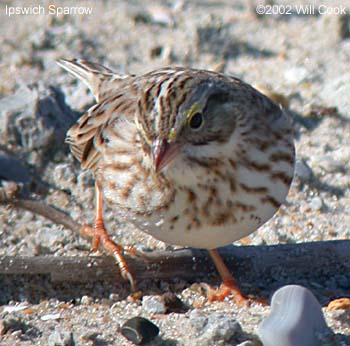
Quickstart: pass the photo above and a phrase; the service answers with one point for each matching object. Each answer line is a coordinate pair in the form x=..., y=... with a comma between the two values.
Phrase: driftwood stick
x=10, y=195
x=307, y=260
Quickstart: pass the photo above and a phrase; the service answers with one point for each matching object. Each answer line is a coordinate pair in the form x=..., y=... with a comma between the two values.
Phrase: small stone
x=86, y=300
x=139, y=330
x=160, y=15
x=296, y=75
x=173, y=303
x=16, y=334
x=12, y=169
x=154, y=305
x=302, y=170
x=35, y=120
x=14, y=308
x=198, y=320
x=48, y=237
x=114, y=297
x=59, y=199
x=3, y=328
x=15, y=326
x=316, y=204
x=42, y=40
x=85, y=180
x=60, y=337
x=336, y=93
x=156, y=51
x=49, y=317
x=296, y=317
x=64, y=176
x=329, y=164
x=221, y=327
x=214, y=329
x=91, y=335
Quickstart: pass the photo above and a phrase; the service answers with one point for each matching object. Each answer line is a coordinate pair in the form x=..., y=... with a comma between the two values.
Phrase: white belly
x=226, y=219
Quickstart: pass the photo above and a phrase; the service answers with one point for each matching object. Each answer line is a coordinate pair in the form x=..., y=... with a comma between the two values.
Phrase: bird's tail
x=97, y=77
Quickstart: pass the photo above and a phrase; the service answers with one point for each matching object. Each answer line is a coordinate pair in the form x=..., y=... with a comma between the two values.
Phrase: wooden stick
x=10, y=195
x=317, y=261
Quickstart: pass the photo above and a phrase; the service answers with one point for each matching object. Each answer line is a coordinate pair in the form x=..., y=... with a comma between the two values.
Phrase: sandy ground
x=305, y=58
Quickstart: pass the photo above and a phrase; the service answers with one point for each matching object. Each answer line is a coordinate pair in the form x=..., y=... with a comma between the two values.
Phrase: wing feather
x=110, y=89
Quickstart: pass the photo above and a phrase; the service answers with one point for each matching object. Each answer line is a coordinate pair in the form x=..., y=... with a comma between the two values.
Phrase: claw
x=100, y=237
x=228, y=286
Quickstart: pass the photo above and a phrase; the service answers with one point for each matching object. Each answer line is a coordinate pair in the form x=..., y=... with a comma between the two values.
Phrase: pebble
x=139, y=330
x=86, y=300
x=336, y=93
x=35, y=120
x=64, y=176
x=14, y=308
x=155, y=14
x=160, y=15
x=60, y=337
x=49, y=317
x=48, y=237
x=173, y=303
x=296, y=75
x=302, y=170
x=12, y=169
x=22, y=99
x=3, y=328
x=16, y=334
x=296, y=317
x=85, y=180
x=316, y=204
x=215, y=328
x=329, y=164
x=197, y=320
x=154, y=305
x=42, y=39
x=85, y=191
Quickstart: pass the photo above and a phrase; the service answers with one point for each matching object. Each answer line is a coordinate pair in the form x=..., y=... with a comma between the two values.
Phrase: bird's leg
x=100, y=237
x=228, y=285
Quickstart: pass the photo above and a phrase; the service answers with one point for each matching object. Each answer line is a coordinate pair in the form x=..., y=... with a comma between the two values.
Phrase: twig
x=10, y=194
x=316, y=261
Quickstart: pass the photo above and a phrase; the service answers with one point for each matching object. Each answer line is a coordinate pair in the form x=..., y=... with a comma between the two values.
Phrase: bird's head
x=199, y=128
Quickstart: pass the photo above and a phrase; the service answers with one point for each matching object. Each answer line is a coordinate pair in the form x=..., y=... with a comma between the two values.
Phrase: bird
x=193, y=157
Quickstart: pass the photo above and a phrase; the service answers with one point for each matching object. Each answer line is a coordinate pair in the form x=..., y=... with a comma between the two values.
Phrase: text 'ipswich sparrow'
x=194, y=157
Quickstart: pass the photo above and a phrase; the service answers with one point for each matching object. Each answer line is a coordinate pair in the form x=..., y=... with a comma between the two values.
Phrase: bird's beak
x=164, y=152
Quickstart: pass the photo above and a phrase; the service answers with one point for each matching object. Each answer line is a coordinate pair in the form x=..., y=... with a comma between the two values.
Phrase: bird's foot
x=227, y=288
x=100, y=237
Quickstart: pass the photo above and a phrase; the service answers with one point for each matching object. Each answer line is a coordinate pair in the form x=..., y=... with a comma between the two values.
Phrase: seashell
x=139, y=330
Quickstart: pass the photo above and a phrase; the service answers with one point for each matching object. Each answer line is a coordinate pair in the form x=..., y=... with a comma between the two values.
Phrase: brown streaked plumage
x=193, y=157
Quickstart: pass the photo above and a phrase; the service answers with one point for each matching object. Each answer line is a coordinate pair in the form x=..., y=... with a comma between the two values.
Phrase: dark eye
x=196, y=121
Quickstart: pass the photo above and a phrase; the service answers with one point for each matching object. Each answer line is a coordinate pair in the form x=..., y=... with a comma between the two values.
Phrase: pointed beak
x=163, y=153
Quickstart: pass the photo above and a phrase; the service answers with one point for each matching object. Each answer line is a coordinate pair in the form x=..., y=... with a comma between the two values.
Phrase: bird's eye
x=196, y=121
